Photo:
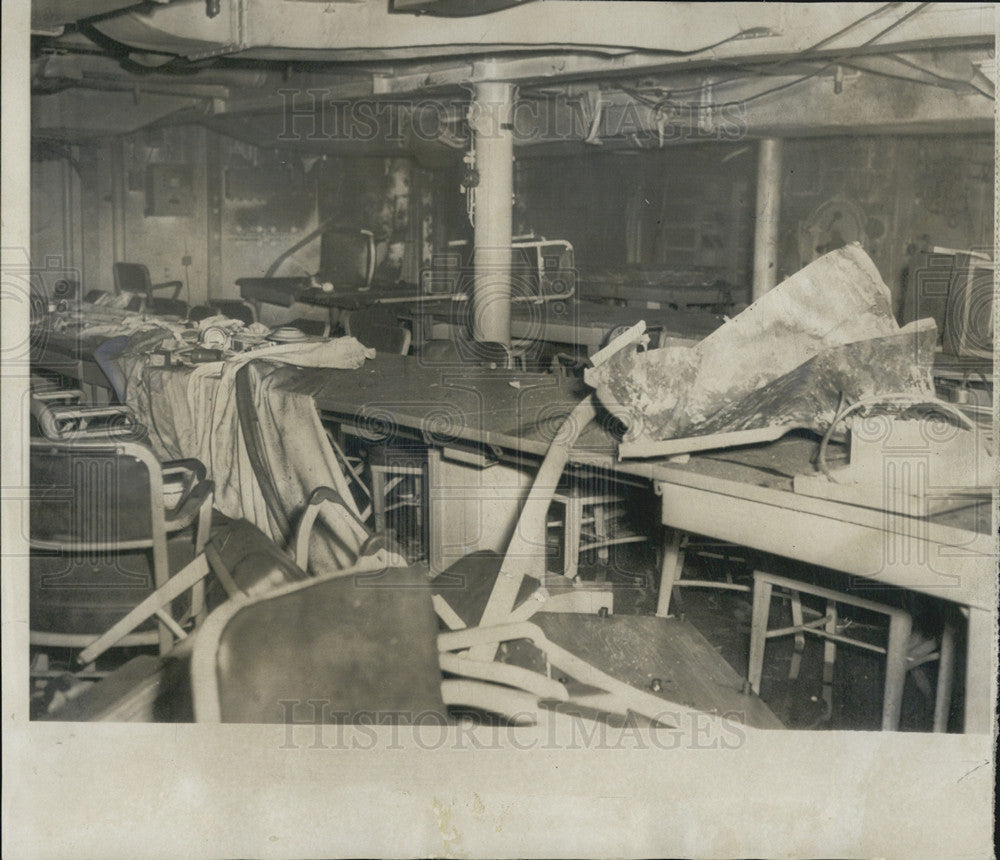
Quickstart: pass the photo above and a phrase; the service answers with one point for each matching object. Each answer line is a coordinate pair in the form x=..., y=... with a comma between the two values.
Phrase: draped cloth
x=194, y=413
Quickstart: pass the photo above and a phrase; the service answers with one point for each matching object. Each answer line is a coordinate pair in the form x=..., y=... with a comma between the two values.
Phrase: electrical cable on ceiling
x=951, y=87
x=805, y=52
x=828, y=65
x=943, y=78
x=813, y=48
x=834, y=61
x=750, y=33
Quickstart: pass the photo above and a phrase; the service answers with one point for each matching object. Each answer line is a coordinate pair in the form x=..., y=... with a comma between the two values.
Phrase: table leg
x=670, y=569
x=900, y=625
x=762, y=589
x=572, y=520
x=980, y=674
x=946, y=672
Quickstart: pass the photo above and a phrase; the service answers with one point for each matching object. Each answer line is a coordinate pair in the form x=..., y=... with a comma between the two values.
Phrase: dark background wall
x=632, y=216
x=693, y=207
x=903, y=192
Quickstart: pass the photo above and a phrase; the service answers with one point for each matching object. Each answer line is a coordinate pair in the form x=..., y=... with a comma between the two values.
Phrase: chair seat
x=85, y=594
x=253, y=562
x=466, y=585
x=360, y=648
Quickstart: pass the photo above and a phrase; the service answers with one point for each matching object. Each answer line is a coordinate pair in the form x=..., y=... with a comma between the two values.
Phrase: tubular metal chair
x=147, y=688
x=495, y=355
x=461, y=352
x=232, y=308
x=60, y=416
x=311, y=328
x=352, y=637
x=109, y=524
x=201, y=312
x=365, y=648
x=379, y=330
x=363, y=645
x=135, y=278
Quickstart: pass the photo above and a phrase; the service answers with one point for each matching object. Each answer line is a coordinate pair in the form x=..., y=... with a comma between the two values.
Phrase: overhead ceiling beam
x=612, y=117
x=50, y=16
x=356, y=31
x=76, y=114
x=565, y=67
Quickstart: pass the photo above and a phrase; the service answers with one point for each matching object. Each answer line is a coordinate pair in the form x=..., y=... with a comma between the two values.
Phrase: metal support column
x=118, y=194
x=765, y=253
x=490, y=120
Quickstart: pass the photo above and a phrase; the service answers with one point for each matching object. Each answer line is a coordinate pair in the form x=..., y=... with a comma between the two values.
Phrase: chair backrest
x=440, y=352
x=132, y=278
x=394, y=339
x=95, y=494
x=201, y=312
x=347, y=257
x=234, y=309
x=379, y=328
x=167, y=307
x=335, y=650
x=462, y=351
x=312, y=328
x=71, y=422
x=490, y=354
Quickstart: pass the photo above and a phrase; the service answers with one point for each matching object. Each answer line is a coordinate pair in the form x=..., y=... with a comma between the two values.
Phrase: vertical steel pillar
x=118, y=194
x=765, y=253
x=491, y=122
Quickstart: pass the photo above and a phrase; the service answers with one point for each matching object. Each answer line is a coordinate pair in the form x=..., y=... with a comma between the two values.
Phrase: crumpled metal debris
x=784, y=362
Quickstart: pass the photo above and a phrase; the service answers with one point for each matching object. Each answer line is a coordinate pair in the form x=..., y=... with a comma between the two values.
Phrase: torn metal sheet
x=782, y=363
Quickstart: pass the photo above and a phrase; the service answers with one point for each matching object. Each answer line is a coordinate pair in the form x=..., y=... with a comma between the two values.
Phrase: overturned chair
x=364, y=645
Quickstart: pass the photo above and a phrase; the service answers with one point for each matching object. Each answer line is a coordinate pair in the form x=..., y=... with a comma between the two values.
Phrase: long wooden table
x=570, y=323
x=743, y=496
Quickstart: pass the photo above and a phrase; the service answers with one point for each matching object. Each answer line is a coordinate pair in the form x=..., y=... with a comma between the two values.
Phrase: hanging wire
x=666, y=100
x=900, y=400
x=779, y=63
